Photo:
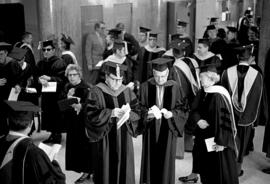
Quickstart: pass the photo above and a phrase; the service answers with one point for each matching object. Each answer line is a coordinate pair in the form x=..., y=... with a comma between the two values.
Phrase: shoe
x=186, y=179
x=84, y=176
x=241, y=173
x=266, y=171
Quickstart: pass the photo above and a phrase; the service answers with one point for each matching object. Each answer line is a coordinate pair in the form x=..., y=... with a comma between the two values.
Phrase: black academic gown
x=79, y=152
x=144, y=70
x=38, y=168
x=221, y=166
x=246, y=119
x=159, y=152
x=115, y=147
x=183, y=75
x=219, y=46
x=67, y=59
x=209, y=59
x=51, y=116
x=11, y=72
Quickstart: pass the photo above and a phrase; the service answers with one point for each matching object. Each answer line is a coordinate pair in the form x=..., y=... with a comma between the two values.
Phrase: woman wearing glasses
x=79, y=152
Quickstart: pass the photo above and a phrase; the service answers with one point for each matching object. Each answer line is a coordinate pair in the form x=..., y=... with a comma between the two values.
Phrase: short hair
x=67, y=45
x=97, y=24
x=18, y=124
x=213, y=76
x=73, y=67
x=25, y=35
x=120, y=26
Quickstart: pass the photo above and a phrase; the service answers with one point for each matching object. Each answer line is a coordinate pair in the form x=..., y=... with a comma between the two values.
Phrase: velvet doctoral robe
x=216, y=167
x=159, y=152
x=37, y=168
x=115, y=147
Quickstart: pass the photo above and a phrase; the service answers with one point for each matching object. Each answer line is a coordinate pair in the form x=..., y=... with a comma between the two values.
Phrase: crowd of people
x=213, y=95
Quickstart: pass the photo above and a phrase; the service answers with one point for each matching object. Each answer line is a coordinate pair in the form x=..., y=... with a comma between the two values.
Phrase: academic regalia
x=10, y=71
x=51, y=116
x=245, y=85
x=79, y=152
x=231, y=54
x=132, y=44
x=107, y=53
x=129, y=74
x=68, y=57
x=159, y=142
x=186, y=73
x=37, y=168
x=216, y=109
x=219, y=46
x=209, y=58
x=243, y=26
x=144, y=70
x=115, y=147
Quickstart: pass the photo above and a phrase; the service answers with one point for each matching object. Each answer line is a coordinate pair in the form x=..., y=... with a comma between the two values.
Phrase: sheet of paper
x=126, y=108
x=13, y=96
x=100, y=63
x=51, y=151
x=31, y=90
x=210, y=144
x=156, y=111
x=50, y=88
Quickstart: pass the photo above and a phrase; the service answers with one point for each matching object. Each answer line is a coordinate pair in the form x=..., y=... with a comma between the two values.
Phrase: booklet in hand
x=65, y=104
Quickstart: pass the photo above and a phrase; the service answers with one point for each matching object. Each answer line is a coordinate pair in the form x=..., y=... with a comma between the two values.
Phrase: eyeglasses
x=48, y=50
x=72, y=74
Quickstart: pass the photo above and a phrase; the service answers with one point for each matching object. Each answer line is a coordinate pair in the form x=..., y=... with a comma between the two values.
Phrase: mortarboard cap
x=176, y=36
x=5, y=46
x=204, y=41
x=22, y=110
x=232, y=29
x=244, y=48
x=154, y=35
x=213, y=65
x=118, y=44
x=144, y=29
x=210, y=27
x=67, y=39
x=248, y=12
x=179, y=44
x=17, y=53
x=48, y=43
x=114, y=33
x=160, y=64
x=115, y=69
x=181, y=23
x=213, y=19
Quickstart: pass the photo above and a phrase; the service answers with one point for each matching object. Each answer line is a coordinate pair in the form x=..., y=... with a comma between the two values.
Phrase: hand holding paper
x=155, y=111
x=51, y=151
x=50, y=87
x=126, y=113
x=167, y=114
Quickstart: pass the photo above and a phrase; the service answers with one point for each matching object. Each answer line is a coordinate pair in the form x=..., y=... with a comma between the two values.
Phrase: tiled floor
x=253, y=163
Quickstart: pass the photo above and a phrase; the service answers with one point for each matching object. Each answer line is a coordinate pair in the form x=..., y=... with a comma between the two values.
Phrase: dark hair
x=26, y=34
x=18, y=124
x=97, y=24
x=67, y=45
x=120, y=26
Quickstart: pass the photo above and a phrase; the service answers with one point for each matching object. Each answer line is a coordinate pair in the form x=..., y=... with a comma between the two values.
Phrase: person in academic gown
x=67, y=56
x=80, y=154
x=147, y=53
x=246, y=88
x=29, y=163
x=27, y=44
x=143, y=36
x=9, y=75
x=213, y=21
x=232, y=43
x=215, y=120
x=185, y=72
x=51, y=69
x=115, y=147
x=119, y=57
x=112, y=35
x=160, y=133
x=25, y=76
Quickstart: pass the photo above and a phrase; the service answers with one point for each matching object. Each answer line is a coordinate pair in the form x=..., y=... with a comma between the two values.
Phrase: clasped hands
x=117, y=112
x=167, y=114
x=218, y=148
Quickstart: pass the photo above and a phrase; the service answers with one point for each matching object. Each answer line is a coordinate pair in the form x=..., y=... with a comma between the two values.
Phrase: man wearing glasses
x=94, y=49
x=51, y=69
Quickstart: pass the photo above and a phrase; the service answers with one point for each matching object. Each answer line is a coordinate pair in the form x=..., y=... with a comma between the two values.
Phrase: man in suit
x=94, y=49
